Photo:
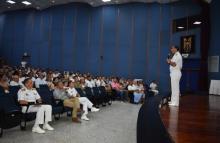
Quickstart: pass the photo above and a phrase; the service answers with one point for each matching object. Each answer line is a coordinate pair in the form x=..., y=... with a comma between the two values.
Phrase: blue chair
x=91, y=97
x=81, y=92
x=10, y=113
x=107, y=97
x=47, y=98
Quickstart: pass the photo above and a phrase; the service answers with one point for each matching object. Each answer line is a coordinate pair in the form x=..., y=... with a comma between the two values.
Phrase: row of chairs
x=10, y=110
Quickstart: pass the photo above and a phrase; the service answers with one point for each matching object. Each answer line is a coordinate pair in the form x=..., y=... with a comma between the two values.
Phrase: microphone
x=169, y=56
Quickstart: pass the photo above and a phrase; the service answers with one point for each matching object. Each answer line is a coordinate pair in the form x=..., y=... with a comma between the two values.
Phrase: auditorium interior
x=109, y=71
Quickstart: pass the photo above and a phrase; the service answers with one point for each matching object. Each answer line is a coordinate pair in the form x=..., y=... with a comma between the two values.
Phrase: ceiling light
x=11, y=1
x=197, y=22
x=26, y=2
x=106, y=0
x=53, y=1
x=180, y=27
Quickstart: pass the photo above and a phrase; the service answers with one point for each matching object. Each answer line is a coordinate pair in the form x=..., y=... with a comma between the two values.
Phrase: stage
x=196, y=120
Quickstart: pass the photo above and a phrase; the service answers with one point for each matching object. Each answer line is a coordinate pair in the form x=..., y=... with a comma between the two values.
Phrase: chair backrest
x=96, y=91
x=88, y=91
x=7, y=103
x=2, y=91
x=14, y=89
x=46, y=95
x=14, y=92
x=44, y=87
x=10, y=113
x=80, y=91
x=102, y=90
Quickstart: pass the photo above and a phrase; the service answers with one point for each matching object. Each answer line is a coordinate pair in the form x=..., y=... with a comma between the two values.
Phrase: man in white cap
x=175, y=74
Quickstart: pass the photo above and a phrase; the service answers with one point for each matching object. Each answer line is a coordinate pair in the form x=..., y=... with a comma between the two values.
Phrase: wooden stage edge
x=196, y=120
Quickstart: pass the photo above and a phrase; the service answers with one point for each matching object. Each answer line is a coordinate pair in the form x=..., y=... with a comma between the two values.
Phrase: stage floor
x=196, y=120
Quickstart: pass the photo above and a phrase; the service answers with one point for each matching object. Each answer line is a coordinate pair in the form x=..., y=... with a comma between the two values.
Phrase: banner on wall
x=187, y=45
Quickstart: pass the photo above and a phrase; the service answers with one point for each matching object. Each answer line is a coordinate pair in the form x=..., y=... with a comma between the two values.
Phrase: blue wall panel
x=94, y=54
x=109, y=15
x=68, y=35
x=154, y=44
x=139, y=49
x=45, y=33
x=125, y=40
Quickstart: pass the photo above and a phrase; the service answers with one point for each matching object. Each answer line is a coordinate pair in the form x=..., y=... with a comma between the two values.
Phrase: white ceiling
x=42, y=4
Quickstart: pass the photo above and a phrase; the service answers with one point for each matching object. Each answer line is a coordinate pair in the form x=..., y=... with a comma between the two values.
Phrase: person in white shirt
x=21, y=80
x=98, y=82
x=15, y=81
x=175, y=74
x=28, y=94
x=23, y=64
x=83, y=100
x=102, y=80
x=154, y=87
x=138, y=91
x=88, y=82
x=40, y=81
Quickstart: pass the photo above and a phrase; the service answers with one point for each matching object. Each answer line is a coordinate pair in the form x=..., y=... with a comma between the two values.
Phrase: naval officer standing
x=175, y=74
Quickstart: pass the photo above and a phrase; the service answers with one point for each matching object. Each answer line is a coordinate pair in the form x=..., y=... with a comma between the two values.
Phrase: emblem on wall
x=187, y=45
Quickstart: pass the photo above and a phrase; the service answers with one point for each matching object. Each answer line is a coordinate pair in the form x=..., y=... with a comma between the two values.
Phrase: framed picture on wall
x=187, y=45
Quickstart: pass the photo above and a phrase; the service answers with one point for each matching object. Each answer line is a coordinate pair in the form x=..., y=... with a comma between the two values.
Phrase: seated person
x=40, y=80
x=4, y=84
x=15, y=81
x=50, y=83
x=138, y=91
x=89, y=82
x=44, y=112
x=83, y=100
x=68, y=101
x=118, y=88
x=154, y=87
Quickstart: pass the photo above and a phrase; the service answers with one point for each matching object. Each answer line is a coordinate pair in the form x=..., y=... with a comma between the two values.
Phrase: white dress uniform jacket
x=31, y=95
x=175, y=75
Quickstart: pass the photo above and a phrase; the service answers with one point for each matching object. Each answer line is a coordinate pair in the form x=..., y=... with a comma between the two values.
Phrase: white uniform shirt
x=98, y=83
x=39, y=82
x=177, y=58
x=29, y=95
x=93, y=83
x=21, y=79
x=132, y=87
x=103, y=83
x=153, y=86
x=88, y=83
x=23, y=64
x=13, y=83
x=72, y=92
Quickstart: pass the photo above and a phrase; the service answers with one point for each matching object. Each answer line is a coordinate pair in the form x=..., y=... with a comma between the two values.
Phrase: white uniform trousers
x=175, y=87
x=42, y=111
x=86, y=104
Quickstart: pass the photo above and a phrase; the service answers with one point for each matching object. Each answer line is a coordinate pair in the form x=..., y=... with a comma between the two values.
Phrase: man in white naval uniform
x=29, y=94
x=83, y=100
x=175, y=74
